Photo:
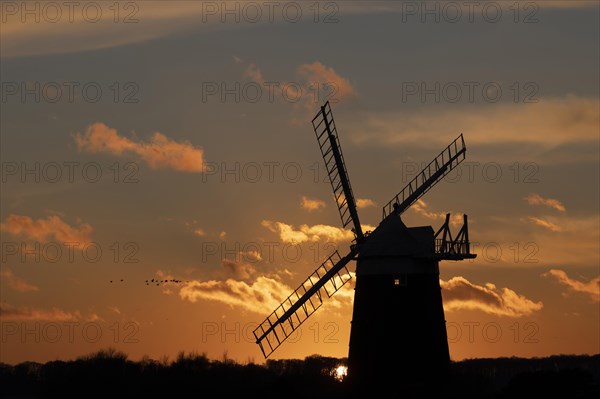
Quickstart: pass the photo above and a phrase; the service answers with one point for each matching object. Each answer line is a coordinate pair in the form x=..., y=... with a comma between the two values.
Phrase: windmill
x=398, y=312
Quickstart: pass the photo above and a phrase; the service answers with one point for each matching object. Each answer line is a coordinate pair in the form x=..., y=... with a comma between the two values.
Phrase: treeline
x=109, y=373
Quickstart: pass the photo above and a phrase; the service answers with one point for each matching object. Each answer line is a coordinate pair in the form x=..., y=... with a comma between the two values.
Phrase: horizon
x=168, y=361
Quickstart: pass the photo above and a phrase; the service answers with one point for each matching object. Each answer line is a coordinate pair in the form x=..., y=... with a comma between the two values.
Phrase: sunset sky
x=171, y=140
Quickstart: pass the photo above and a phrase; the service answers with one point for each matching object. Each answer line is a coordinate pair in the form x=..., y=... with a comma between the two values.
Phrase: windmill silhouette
x=398, y=312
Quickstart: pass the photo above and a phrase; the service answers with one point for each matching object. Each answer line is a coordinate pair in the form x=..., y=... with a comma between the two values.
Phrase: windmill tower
x=398, y=312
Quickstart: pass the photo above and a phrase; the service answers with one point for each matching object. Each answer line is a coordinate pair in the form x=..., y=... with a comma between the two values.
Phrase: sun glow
x=340, y=373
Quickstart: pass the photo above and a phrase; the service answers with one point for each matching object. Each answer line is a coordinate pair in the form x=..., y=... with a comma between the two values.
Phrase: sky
x=172, y=140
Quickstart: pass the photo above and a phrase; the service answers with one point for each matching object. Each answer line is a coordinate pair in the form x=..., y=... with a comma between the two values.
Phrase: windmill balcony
x=453, y=250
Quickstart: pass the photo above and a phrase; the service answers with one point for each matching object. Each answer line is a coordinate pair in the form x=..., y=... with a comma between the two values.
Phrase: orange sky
x=142, y=150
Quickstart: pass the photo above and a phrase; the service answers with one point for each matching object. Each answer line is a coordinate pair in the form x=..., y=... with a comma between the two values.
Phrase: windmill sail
x=443, y=164
x=327, y=279
x=329, y=143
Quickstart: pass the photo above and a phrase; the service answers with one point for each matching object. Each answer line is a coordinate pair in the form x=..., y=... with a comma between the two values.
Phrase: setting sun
x=340, y=373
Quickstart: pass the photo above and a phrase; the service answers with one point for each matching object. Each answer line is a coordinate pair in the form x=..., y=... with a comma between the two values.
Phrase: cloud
x=114, y=309
x=94, y=317
x=592, y=287
x=337, y=86
x=543, y=124
x=25, y=313
x=364, y=203
x=536, y=199
x=420, y=207
x=312, y=204
x=166, y=276
x=46, y=230
x=458, y=293
x=16, y=283
x=193, y=226
x=576, y=244
x=266, y=293
x=343, y=298
x=239, y=270
x=159, y=153
x=545, y=224
x=166, y=281
x=72, y=33
x=199, y=232
x=284, y=273
x=251, y=255
x=308, y=78
x=253, y=72
x=149, y=21
x=308, y=233
x=261, y=296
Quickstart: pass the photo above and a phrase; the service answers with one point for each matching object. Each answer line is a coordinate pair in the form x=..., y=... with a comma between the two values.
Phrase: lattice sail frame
x=327, y=279
x=329, y=144
x=435, y=171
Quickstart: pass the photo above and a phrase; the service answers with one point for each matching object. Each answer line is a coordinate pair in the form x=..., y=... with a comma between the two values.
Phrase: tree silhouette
x=109, y=373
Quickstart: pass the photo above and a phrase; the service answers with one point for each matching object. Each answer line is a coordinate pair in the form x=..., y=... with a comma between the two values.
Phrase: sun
x=340, y=373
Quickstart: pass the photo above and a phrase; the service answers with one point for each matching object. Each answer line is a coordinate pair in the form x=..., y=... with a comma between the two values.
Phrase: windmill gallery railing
x=450, y=249
x=457, y=248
